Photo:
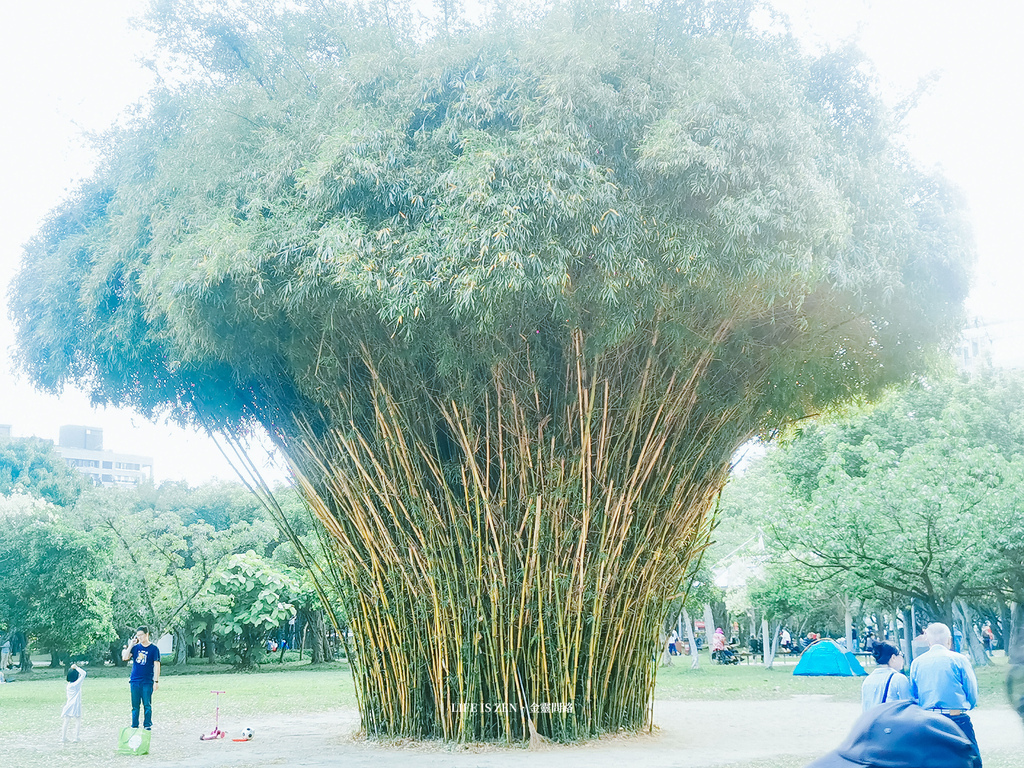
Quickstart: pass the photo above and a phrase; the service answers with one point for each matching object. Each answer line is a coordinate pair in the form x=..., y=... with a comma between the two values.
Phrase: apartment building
x=82, y=448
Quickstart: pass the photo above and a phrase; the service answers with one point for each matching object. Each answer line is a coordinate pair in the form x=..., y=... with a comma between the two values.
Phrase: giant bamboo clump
x=508, y=298
x=508, y=560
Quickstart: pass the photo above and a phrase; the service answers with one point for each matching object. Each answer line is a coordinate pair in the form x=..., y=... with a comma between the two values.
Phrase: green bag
x=133, y=741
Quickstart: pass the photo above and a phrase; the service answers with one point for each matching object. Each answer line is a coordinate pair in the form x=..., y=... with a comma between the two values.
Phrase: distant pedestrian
x=145, y=676
x=72, y=712
x=989, y=637
x=5, y=655
x=886, y=681
x=943, y=681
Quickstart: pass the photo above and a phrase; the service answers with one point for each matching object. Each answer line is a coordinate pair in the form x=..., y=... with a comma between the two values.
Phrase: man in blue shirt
x=944, y=682
x=145, y=676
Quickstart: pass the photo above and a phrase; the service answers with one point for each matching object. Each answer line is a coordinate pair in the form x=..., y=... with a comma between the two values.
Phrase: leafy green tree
x=161, y=565
x=917, y=498
x=1006, y=531
x=915, y=527
x=309, y=596
x=30, y=465
x=507, y=297
x=49, y=588
x=219, y=503
x=253, y=596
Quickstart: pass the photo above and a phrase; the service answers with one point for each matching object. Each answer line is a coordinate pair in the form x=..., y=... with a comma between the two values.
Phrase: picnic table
x=748, y=656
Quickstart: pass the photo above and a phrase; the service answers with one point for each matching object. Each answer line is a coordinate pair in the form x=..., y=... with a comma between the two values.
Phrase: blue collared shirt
x=942, y=679
x=874, y=687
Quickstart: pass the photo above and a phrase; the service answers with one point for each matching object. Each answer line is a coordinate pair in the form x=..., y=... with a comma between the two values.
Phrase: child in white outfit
x=73, y=707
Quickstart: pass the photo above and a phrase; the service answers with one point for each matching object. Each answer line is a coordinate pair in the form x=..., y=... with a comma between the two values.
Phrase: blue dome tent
x=825, y=657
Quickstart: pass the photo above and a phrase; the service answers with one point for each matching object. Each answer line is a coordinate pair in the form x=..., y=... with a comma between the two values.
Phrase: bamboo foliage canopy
x=508, y=295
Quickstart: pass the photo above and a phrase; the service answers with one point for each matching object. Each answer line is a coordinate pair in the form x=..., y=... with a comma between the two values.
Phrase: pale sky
x=72, y=67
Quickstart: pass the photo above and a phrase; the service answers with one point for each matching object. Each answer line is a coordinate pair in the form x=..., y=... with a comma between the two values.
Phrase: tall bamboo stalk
x=508, y=557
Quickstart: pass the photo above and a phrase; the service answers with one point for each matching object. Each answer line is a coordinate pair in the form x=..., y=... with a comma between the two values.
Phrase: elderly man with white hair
x=944, y=682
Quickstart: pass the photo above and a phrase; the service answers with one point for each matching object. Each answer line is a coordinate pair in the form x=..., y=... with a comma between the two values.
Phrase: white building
x=995, y=343
x=82, y=448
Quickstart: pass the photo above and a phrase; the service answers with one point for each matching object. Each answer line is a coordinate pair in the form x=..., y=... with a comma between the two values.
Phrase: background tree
x=508, y=299
x=48, y=585
x=789, y=594
x=253, y=596
x=700, y=592
x=309, y=601
x=161, y=565
x=916, y=497
x=31, y=466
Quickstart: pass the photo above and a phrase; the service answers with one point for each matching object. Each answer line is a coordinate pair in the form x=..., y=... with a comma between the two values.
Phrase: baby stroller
x=726, y=656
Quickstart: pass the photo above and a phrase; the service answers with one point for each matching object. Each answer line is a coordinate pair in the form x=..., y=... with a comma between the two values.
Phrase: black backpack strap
x=885, y=693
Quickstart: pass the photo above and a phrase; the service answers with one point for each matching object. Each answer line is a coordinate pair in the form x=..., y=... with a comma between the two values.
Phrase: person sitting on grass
x=887, y=681
x=73, y=706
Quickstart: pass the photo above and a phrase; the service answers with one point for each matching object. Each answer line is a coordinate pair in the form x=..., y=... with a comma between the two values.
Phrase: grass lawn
x=294, y=687
x=30, y=707
x=719, y=682
x=33, y=703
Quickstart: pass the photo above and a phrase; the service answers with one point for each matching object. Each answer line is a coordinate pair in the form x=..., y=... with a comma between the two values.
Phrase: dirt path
x=688, y=734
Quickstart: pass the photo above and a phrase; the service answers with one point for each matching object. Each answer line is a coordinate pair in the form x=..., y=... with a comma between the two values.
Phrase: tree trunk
x=209, y=642
x=709, y=624
x=767, y=644
x=694, y=656
x=720, y=615
x=666, y=656
x=1005, y=625
x=908, y=639
x=974, y=646
x=180, y=647
x=319, y=647
x=946, y=611
x=328, y=640
x=848, y=623
x=115, y=653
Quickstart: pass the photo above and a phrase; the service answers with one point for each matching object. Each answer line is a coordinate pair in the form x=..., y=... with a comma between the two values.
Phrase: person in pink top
x=718, y=644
